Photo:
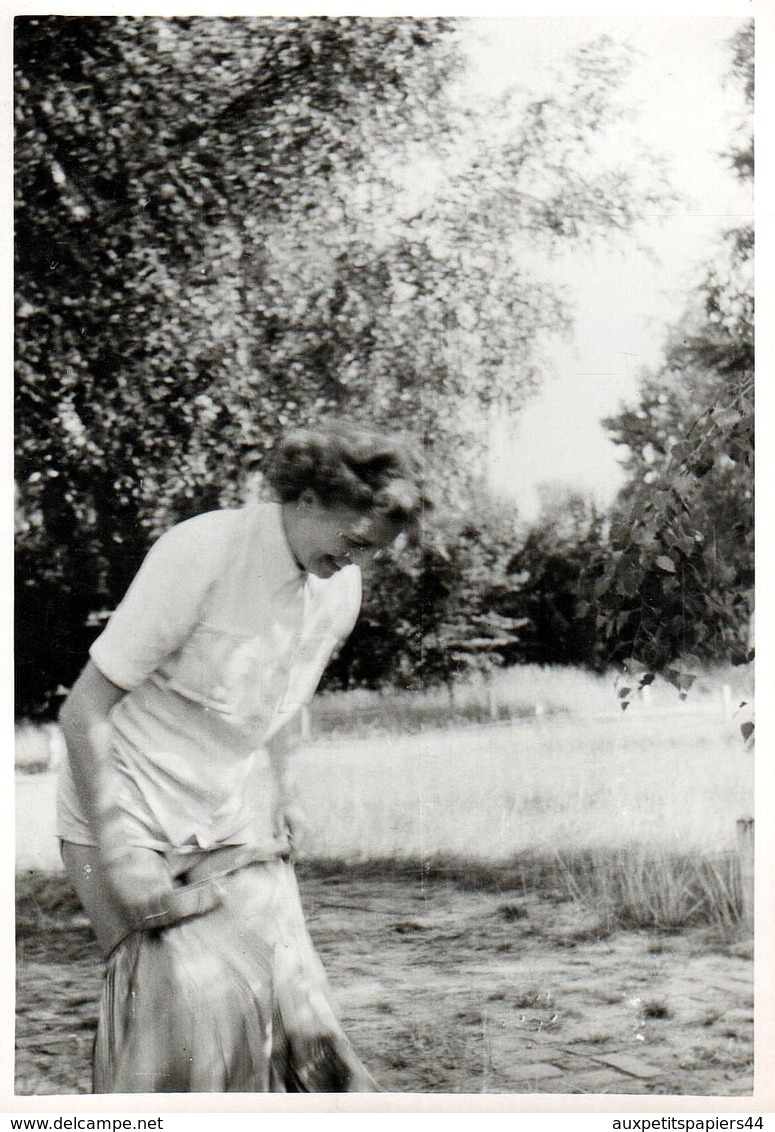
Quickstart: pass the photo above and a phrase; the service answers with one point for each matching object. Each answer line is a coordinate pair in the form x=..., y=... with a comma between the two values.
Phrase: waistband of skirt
x=210, y=864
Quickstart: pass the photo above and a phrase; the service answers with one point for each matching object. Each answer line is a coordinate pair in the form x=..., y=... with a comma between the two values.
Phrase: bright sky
x=624, y=301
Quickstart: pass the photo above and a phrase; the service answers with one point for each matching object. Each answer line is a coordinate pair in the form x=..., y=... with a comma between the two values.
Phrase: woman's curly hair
x=351, y=466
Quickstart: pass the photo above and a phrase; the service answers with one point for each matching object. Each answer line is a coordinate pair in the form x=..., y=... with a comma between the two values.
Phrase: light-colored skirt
x=234, y=1000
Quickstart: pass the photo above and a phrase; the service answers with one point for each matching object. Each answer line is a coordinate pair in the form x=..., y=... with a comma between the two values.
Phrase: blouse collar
x=284, y=567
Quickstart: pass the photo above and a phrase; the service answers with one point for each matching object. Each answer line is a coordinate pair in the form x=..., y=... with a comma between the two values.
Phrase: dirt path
x=447, y=989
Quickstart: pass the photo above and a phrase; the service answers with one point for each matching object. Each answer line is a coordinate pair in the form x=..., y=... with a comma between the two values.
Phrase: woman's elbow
x=89, y=703
x=72, y=719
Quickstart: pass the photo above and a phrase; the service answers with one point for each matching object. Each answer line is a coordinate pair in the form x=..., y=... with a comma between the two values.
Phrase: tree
x=156, y=161
x=555, y=550
x=675, y=584
x=154, y=156
x=434, y=612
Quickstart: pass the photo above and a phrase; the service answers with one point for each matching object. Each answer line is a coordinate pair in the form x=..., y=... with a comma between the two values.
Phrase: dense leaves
x=674, y=586
x=438, y=611
x=159, y=165
x=554, y=552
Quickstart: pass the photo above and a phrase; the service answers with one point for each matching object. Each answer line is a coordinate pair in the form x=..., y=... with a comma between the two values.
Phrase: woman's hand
x=139, y=879
x=293, y=823
x=288, y=818
x=141, y=883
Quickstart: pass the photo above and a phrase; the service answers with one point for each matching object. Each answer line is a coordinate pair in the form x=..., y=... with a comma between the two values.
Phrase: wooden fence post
x=745, y=853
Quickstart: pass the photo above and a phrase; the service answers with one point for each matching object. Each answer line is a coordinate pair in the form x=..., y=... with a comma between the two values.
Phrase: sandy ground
x=445, y=984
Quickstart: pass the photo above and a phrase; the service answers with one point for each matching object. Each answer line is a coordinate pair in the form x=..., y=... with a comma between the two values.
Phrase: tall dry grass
x=638, y=887
x=564, y=783
x=512, y=693
x=633, y=813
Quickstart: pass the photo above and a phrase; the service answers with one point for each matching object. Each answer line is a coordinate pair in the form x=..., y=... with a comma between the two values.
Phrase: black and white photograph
x=384, y=557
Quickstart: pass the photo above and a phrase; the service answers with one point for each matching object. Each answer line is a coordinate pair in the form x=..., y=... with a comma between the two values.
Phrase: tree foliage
x=438, y=611
x=674, y=586
x=159, y=163
x=552, y=554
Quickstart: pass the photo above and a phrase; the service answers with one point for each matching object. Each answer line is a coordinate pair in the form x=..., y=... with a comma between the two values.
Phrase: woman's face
x=324, y=539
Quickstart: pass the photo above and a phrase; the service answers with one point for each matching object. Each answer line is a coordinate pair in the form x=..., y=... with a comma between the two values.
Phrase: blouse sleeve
x=163, y=603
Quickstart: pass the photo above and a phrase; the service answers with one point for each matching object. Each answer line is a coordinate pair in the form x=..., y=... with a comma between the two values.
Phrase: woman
x=174, y=810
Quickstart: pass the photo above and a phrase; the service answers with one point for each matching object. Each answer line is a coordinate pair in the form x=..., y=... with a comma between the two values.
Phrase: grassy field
x=541, y=774
x=549, y=785
x=515, y=693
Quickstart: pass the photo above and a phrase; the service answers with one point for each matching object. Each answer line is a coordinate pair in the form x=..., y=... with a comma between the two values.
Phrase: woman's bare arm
x=86, y=726
x=138, y=878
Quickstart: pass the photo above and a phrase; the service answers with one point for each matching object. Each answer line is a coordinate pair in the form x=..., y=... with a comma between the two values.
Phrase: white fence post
x=745, y=853
x=726, y=693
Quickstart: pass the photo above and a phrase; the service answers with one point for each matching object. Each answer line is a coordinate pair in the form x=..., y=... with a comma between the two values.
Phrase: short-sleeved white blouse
x=218, y=643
